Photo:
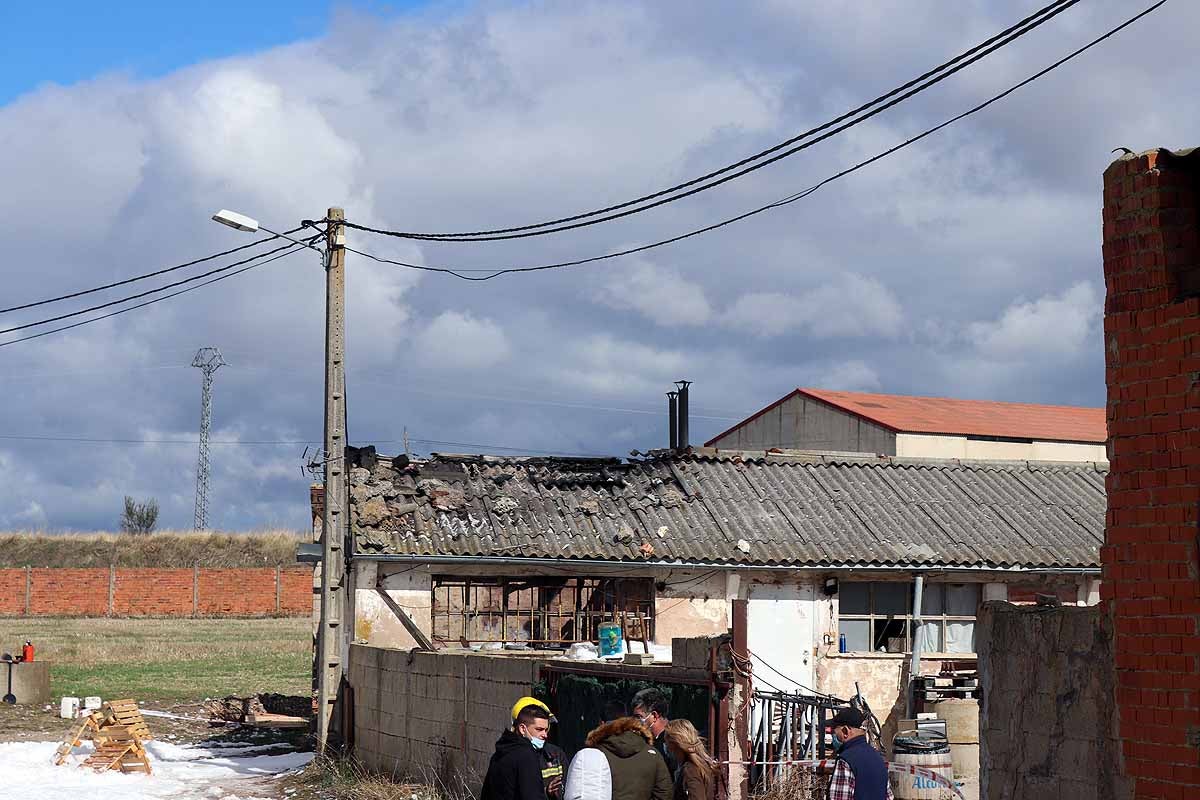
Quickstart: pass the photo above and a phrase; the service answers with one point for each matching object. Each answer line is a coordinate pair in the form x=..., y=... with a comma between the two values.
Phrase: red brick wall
x=236, y=592
x=1151, y=580
x=74, y=592
x=12, y=592
x=152, y=592
x=156, y=592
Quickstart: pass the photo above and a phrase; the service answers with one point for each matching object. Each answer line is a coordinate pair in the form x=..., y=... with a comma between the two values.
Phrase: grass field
x=163, y=549
x=166, y=661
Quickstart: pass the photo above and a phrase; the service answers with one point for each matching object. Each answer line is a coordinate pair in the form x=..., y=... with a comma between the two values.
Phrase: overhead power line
x=288, y=443
x=143, y=277
x=748, y=165
x=287, y=250
x=498, y=271
x=146, y=293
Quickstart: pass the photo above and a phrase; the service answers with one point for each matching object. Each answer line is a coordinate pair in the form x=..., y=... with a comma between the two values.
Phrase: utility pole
x=209, y=360
x=333, y=523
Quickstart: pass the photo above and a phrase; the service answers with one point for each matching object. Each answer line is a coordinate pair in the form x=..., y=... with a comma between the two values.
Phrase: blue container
x=611, y=640
x=841, y=642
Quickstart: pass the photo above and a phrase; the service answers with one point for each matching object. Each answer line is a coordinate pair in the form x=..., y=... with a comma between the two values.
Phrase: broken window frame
x=578, y=603
x=941, y=619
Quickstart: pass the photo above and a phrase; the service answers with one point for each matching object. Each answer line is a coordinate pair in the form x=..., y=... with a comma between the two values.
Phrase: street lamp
x=334, y=528
x=240, y=222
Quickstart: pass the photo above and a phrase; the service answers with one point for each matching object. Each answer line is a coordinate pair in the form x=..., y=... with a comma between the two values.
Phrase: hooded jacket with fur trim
x=638, y=770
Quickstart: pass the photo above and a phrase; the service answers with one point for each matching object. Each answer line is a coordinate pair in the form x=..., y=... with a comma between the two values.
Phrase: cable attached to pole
x=873, y=108
x=457, y=273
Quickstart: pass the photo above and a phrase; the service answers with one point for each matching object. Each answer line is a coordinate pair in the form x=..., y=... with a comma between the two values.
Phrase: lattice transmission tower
x=209, y=360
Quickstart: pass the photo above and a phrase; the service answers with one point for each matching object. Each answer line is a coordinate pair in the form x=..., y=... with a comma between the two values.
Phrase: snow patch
x=180, y=771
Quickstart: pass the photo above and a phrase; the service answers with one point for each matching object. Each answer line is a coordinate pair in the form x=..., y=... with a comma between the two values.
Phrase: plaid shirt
x=841, y=785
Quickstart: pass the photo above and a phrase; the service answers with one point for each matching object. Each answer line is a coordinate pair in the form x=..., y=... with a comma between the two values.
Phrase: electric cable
x=136, y=278
x=785, y=200
x=140, y=295
x=892, y=98
x=293, y=248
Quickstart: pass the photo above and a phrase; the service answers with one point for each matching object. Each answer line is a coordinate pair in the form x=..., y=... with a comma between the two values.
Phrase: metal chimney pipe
x=673, y=418
x=682, y=411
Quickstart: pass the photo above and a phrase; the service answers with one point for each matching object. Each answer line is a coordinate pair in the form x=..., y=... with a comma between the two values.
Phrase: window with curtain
x=876, y=617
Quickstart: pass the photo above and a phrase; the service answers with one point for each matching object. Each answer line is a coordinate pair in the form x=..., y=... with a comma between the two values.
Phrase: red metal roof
x=905, y=414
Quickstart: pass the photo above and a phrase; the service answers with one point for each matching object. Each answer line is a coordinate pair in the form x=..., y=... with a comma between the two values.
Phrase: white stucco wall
x=914, y=445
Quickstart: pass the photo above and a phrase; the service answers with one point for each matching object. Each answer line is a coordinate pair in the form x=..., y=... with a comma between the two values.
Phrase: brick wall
x=156, y=592
x=1151, y=580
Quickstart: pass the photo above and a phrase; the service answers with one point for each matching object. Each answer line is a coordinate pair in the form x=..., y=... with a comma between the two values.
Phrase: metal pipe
x=401, y=558
x=914, y=666
x=682, y=411
x=673, y=418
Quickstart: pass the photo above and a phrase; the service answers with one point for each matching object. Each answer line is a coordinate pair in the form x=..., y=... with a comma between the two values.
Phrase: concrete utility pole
x=209, y=360
x=333, y=523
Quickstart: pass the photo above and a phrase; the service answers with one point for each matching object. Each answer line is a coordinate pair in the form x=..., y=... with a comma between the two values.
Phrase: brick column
x=1151, y=578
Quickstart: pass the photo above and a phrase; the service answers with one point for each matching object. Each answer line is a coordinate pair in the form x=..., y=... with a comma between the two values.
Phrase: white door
x=780, y=632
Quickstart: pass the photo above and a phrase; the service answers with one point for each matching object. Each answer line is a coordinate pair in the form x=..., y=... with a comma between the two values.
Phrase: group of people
x=643, y=756
x=649, y=756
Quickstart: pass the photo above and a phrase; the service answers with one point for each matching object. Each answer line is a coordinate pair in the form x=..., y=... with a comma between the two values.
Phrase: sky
x=967, y=265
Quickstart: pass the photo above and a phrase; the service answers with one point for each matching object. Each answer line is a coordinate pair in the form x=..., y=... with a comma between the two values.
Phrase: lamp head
x=236, y=221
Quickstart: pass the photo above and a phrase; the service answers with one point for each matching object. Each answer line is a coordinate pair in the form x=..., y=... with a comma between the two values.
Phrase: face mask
x=538, y=744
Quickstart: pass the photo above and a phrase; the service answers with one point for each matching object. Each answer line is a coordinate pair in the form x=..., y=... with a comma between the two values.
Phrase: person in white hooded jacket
x=589, y=777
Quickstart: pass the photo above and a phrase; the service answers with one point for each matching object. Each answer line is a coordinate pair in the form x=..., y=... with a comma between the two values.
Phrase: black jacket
x=660, y=744
x=515, y=771
x=554, y=768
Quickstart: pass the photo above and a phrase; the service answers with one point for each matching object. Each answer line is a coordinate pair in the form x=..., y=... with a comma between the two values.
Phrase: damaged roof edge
x=592, y=562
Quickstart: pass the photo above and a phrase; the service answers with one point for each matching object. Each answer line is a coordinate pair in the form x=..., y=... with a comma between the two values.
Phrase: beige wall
x=913, y=445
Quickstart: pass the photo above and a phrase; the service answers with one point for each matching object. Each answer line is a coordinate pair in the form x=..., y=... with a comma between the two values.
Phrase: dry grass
x=169, y=659
x=347, y=779
x=166, y=549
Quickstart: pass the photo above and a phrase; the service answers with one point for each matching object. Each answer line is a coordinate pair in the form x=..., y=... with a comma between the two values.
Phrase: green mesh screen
x=578, y=701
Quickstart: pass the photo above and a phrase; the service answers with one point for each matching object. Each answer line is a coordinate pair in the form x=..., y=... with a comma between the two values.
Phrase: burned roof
x=707, y=507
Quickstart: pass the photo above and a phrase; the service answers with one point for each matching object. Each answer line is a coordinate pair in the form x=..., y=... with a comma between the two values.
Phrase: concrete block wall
x=47, y=592
x=1151, y=557
x=425, y=715
x=1047, y=721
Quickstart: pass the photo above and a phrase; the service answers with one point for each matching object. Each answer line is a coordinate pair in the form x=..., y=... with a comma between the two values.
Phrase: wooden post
x=334, y=522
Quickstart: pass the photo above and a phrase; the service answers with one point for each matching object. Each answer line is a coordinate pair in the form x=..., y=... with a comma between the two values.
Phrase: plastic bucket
x=612, y=643
x=922, y=749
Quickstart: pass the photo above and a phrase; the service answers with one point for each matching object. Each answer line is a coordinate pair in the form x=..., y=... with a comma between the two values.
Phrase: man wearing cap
x=525, y=766
x=860, y=773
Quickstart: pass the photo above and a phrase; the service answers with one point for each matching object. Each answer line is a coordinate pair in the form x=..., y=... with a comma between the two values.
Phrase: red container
x=27, y=652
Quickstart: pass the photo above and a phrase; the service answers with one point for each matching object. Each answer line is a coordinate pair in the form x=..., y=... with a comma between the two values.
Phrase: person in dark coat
x=860, y=773
x=637, y=769
x=515, y=771
x=652, y=707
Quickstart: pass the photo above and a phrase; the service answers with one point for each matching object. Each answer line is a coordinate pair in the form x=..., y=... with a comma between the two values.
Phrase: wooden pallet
x=75, y=737
x=127, y=714
x=117, y=730
x=120, y=749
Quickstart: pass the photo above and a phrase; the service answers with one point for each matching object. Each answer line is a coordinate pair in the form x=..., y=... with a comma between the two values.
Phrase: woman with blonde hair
x=696, y=778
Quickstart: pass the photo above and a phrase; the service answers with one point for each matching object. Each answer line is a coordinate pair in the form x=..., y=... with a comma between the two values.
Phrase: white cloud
x=849, y=306
x=458, y=340
x=849, y=376
x=660, y=294
x=498, y=114
x=1058, y=325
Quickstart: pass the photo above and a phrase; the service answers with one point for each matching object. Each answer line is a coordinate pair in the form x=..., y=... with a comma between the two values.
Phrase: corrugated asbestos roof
x=814, y=510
